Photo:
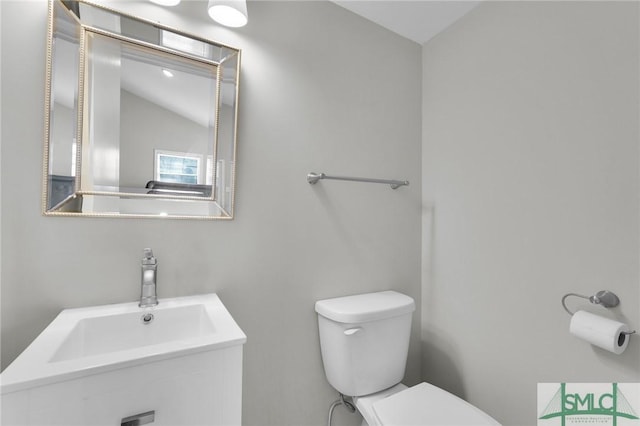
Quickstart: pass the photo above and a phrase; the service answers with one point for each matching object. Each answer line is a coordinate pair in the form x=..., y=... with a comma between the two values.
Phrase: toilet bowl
x=422, y=404
x=364, y=341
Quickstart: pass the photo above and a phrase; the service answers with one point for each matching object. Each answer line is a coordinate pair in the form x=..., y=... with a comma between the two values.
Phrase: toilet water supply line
x=337, y=402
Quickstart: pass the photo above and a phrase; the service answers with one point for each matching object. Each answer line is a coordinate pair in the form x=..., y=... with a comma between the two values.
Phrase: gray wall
x=530, y=182
x=321, y=90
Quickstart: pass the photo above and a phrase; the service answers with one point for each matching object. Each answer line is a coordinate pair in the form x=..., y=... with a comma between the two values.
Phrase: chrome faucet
x=148, y=295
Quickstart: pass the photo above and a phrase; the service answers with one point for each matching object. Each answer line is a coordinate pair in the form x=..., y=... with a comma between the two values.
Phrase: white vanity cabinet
x=103, y=365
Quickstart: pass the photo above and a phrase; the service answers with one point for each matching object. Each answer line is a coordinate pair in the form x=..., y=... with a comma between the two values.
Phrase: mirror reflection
x=141, y=118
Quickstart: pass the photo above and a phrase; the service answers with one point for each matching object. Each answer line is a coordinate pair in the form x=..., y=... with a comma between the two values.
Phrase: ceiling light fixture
x=230, y=13
x=165, y=2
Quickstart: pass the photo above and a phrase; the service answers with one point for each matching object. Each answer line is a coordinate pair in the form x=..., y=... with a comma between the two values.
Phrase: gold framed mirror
x=140, y=119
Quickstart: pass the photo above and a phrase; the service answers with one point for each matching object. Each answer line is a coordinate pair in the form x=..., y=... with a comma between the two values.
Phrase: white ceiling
x=417, y=20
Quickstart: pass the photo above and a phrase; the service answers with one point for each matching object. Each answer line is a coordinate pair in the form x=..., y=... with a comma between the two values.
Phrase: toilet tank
x=364, y=340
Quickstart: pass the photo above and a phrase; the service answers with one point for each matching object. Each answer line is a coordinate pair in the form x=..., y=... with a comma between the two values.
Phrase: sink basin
x=92, y=340
x=125, y=330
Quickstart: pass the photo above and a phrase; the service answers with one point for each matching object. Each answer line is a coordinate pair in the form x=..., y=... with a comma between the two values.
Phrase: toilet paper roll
x=602, y=332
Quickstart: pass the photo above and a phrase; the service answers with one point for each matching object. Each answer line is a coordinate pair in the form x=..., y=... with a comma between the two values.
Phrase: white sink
x=126, y=329
x=92, y=340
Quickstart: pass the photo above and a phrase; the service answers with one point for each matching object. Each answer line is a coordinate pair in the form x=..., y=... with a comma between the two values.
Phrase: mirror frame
x=67, y=206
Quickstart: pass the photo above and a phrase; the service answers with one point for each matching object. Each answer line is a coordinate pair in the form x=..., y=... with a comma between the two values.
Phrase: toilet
x=364, y=341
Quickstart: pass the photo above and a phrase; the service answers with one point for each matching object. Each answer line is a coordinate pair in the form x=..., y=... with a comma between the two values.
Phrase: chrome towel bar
x=313, y=178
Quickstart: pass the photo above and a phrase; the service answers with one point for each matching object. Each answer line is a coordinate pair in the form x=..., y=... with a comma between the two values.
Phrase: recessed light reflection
x=167, y=73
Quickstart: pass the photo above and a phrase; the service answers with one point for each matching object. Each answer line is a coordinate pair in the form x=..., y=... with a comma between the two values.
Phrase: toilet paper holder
x=604, y=298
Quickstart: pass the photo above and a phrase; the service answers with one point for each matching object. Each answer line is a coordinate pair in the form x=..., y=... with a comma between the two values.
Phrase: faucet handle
x=148, y=257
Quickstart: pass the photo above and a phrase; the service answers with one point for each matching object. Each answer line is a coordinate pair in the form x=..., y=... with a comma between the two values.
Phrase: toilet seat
x=364, y=404
x=423, y=404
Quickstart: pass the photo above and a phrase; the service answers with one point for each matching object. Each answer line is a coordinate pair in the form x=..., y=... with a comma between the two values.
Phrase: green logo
x=586, y=405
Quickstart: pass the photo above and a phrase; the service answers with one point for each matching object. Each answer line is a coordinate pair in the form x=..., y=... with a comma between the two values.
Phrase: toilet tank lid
x=365, y=307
